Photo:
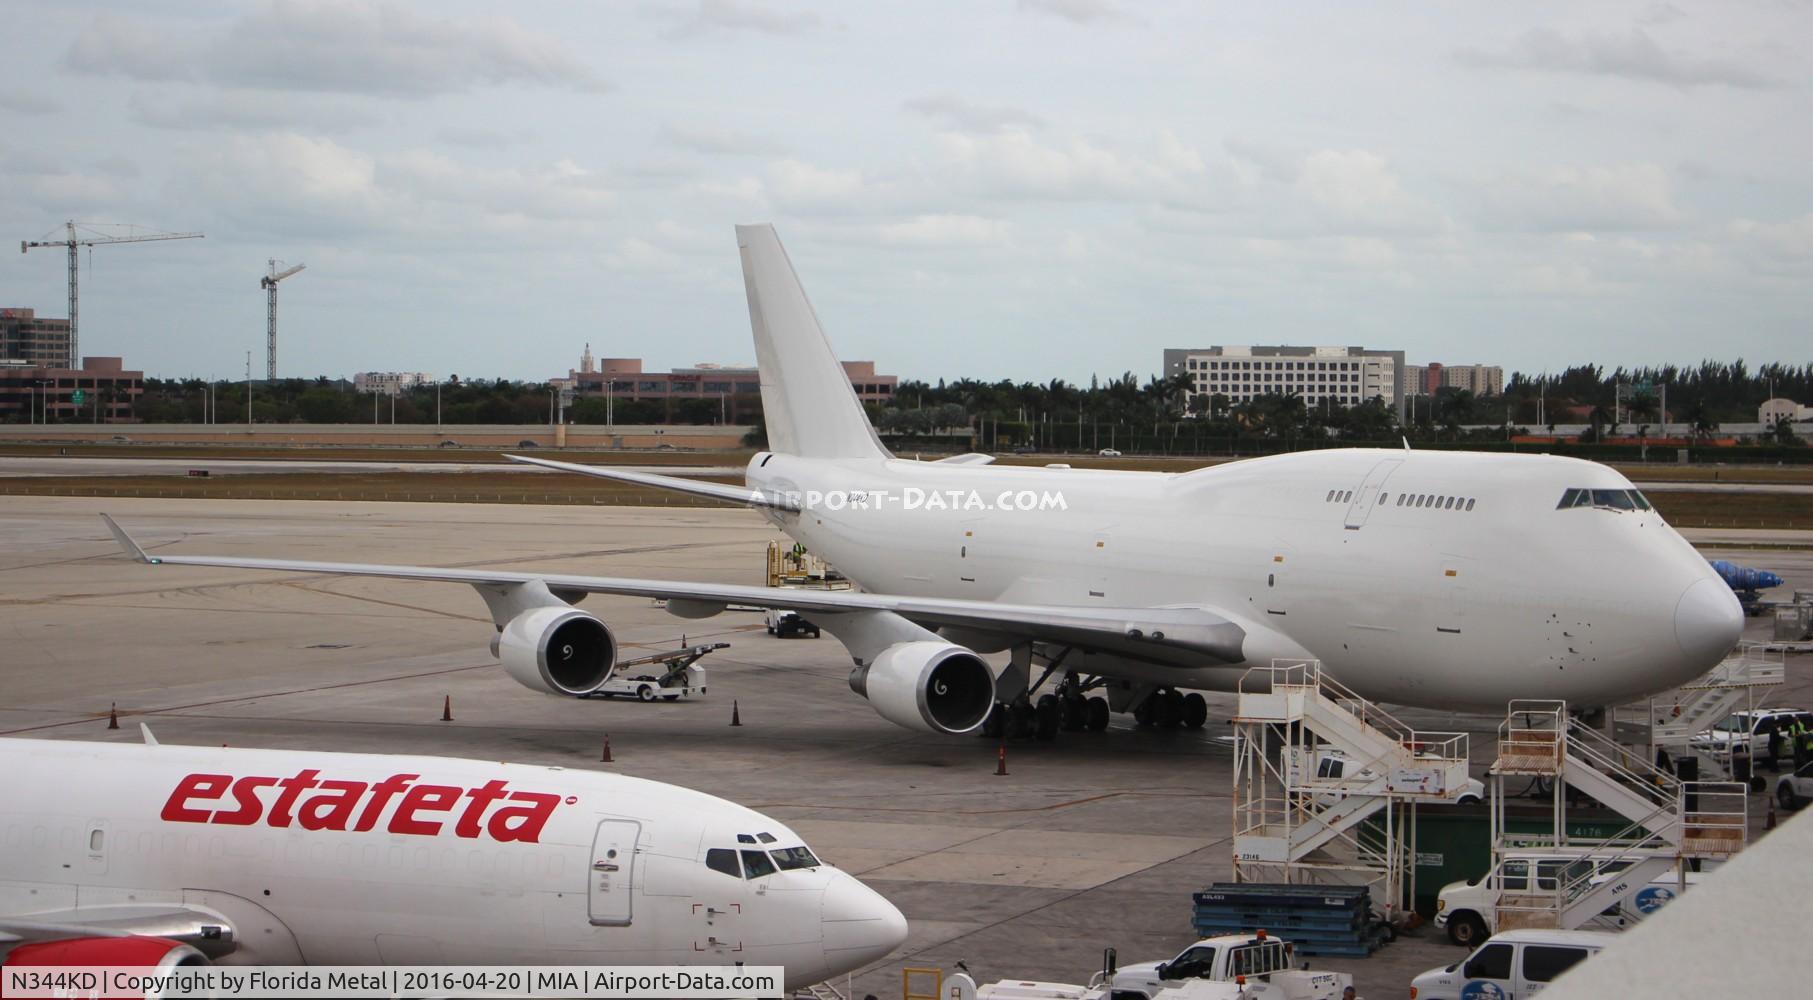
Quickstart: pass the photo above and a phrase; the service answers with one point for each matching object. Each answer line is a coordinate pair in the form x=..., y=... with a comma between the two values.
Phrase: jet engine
x=557, y=650
x=161, y=954
x=927, y=685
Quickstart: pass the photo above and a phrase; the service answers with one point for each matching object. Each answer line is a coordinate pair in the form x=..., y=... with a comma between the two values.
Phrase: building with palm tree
x=1340, y=376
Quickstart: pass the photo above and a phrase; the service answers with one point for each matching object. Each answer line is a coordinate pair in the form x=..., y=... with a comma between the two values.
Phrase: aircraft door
x=613, y=871
x=1368, y=495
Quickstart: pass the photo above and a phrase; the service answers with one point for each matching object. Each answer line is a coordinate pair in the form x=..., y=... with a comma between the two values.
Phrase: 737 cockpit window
x=722, y=859
x=756, y=864
x=1607, y=499
x=789, y=858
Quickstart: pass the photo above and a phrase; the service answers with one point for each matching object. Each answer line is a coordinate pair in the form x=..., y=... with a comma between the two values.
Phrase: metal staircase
x=1313, y=763
x=1671, y=823
x=1738, y=683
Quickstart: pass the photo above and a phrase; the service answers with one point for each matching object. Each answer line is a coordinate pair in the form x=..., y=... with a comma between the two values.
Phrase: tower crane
x=75, y=240
x=269, y=284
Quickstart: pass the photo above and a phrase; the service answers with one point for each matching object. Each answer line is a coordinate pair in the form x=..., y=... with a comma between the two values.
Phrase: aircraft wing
x=1153, y=633
x=716, y=491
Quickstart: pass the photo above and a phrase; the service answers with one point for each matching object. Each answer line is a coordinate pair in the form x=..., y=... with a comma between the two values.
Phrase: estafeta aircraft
x=1437, y=578
x=158, y=855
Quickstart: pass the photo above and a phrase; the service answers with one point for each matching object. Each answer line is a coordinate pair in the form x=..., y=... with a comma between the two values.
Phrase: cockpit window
x=766, y=838
x=789, y=858
x=723, y=859
x=1615, y=499
x=756, y=864
x=745, y=838
x=1608, y=499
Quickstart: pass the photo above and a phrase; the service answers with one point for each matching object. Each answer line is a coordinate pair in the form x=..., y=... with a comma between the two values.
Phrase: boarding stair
x=1314, y=762
x=1739, y=682
x=1672, y=824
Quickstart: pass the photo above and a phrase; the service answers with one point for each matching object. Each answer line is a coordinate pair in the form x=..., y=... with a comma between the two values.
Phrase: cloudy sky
x=999, y=188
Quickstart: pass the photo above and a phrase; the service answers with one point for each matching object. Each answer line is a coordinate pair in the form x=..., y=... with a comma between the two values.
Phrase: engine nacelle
x=154, y=955
x=557, y=650
x=928, y=685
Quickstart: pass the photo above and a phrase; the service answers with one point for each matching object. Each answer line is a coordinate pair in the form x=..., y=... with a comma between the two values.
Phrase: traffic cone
x=113, y=715
x=605, y=758
x=1769, y=820
x=1001, y=760
x=446, y=708
x=735, y=718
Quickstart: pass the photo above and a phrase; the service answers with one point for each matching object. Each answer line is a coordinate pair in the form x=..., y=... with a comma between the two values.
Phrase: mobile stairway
x=1738, y=683
x=1313, y=763
x=1672, y=824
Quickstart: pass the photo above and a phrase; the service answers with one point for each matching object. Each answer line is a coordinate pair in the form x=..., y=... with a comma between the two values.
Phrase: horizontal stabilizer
x=716, y=491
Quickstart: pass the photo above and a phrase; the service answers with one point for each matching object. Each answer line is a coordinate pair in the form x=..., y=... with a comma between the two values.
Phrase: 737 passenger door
x=613, y=871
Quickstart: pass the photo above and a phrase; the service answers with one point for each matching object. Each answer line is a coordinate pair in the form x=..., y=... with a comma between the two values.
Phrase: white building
x=1343, y=376
x=390, y=382
x=1775, y=409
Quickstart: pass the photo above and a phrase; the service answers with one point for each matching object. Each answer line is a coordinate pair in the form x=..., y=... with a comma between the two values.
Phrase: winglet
x=126, y=542
x=150, y=740
x=1406, y=441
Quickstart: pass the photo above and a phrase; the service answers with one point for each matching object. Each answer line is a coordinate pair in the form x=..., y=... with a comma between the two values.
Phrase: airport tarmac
x=1091, y=841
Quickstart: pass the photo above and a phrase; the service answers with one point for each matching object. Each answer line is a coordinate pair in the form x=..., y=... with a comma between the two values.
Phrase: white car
x=1109, y=453
x=1333, y=764
x=1510, y=966
x=1796, y=789
x=1468, y=910
x=1747, y=733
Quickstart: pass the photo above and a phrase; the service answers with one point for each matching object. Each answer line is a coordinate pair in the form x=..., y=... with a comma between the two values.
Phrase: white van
x=1468, y=910
x=1514, y=965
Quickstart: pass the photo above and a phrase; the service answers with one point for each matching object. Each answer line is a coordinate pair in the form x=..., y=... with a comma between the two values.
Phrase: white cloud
x=719, y=141
x=960, y=115
x=1791, y=240
x=804, y=186
x=728, y=15
x=473, y=137
x=1625, y=196
x=1356, y=188
x=346, y=46
x=25, y=102
x=945, y=231
x=1016, y=164
x=1633, y=55
x=1081, y=11
x=246, y=109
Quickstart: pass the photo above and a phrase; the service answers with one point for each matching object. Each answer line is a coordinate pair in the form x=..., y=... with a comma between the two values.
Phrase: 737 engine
x=557, y=650
x=927, y=685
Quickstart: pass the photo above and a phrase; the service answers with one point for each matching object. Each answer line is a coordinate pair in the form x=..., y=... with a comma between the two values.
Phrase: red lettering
x=292, y=787
x=522, y=823
x=207, y=787
x=423, y=798
x=481, y=797
x=245, y=792
x=330, y=812
x=380, y=797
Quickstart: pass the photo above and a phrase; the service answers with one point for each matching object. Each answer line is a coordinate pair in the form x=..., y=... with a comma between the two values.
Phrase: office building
x=26, y=339
x=101, y=391
x=1342, y=376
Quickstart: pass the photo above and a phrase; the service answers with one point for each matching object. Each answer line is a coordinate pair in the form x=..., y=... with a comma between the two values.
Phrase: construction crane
x=269, y=284
x=76, y=240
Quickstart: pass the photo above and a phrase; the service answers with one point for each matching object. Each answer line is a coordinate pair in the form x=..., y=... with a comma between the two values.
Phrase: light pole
x=437, y=404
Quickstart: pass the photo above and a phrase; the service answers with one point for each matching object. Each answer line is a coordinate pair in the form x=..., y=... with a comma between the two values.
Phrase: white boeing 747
x=121, y=855
x=1432, y=578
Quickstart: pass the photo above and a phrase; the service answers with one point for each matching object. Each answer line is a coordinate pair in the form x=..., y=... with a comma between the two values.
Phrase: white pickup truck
x=1247, y=967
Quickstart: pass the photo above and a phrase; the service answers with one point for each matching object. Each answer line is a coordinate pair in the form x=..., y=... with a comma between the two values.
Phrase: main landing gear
x=1067, y=709
x=1169, y=708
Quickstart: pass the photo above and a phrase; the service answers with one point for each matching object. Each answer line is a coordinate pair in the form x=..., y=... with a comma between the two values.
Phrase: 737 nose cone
x=860, y=926
x=1708, y=621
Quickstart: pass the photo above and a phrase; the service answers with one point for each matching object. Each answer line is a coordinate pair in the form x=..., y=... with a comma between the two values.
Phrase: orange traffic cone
x=605, y=758
x=447, y=708
x=736, y=718
x=113, y=715
x=1001, y=760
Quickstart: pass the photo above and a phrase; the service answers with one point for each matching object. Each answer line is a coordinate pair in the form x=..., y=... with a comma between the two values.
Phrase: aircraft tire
x=1047, y=718
x=1195, y=710
x=1098, y=714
